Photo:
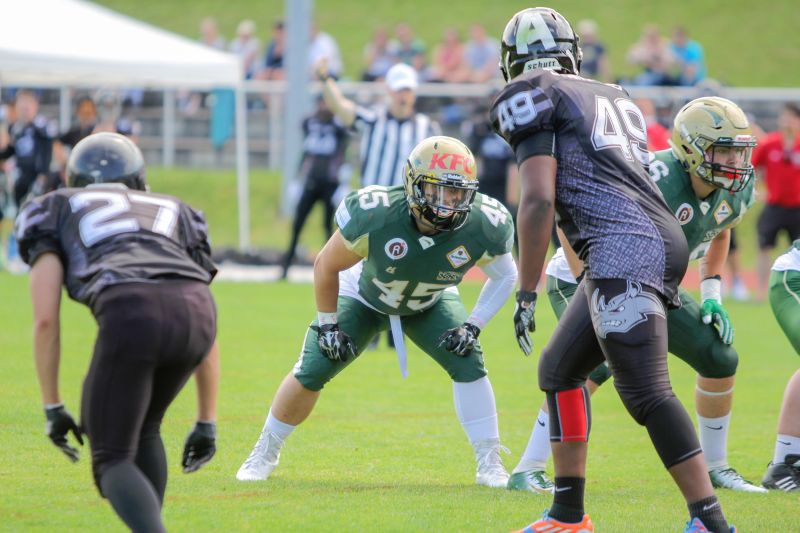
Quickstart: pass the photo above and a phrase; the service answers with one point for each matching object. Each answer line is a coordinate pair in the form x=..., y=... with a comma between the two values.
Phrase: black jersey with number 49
x=610, y=210
x=108, y=234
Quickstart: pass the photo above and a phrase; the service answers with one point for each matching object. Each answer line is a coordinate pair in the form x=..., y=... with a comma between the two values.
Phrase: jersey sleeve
x=497, y=227
x=352, y=225
x=36, y=228
x=196, y=241
x=522, y=110
x=364, y=117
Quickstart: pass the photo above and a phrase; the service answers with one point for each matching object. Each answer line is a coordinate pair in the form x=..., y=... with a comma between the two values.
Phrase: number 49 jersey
x=405, y=272
x=609, y=209
x=108, y=234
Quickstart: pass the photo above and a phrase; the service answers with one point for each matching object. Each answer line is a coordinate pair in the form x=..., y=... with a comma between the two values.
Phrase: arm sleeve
x=363, y=117
x=196, y=239
x=36, y=229
x=542, y=142
x=502, y=273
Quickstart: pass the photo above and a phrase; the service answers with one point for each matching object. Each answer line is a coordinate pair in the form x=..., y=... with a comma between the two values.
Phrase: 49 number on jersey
x=620, y=124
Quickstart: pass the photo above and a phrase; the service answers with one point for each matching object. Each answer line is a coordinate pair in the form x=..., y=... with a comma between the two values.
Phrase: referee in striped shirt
x=389, y=131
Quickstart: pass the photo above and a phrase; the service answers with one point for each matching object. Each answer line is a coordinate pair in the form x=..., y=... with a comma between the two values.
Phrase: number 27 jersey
x=108, y=234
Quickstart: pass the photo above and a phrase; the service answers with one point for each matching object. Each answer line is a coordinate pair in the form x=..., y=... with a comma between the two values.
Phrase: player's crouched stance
x=394, y=263
x=141, y=262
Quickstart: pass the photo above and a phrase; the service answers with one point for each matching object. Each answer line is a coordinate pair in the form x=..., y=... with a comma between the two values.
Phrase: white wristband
x=711, y=289
x=326, y=318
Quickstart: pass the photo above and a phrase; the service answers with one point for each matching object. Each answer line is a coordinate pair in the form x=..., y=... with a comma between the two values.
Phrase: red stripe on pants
x=572, y=414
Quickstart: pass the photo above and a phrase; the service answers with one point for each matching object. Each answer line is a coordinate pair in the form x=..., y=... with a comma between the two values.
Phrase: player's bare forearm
x=574, y=262
x=713, y=261
x=45, y=288
x=535, y=217
x=207, y=379
x=334, y=258
x=343, y=108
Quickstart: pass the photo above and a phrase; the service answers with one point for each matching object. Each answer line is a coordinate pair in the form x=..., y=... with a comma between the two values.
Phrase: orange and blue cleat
x=550, y=525
x=697, y=526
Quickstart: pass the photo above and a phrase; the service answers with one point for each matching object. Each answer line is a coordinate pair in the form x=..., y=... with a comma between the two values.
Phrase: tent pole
x=242, y=187
x=168, y=129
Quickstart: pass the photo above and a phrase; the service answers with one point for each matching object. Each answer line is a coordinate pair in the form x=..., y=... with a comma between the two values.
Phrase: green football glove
x=711, y=310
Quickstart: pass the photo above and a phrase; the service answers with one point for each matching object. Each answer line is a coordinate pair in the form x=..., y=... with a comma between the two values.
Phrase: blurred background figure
x=657, y=135
x=408, y=49
x=273, y=55
x=209, y=34
x=777, y=158
x=690, y=57
x=377, y=56
x=246, y=45
x=324, y=47
x=482, y=55
x=595, y=55
x=83, y=126
x=449, y=65
x=116, y=117
x=653, y=54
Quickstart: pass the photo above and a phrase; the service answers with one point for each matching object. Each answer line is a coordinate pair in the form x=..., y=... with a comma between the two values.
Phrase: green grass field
x=379, y=453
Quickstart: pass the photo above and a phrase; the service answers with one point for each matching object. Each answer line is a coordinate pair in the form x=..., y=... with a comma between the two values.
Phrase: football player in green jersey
x=707, y=180
x=394, y=263
x=783, y=473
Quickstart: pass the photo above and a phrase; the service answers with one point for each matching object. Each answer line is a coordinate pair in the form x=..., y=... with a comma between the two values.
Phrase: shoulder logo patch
x=426, y=242
x=396, y=248
x=722, y=212
x=684, y=214
x=458, y=257
x=704, y=207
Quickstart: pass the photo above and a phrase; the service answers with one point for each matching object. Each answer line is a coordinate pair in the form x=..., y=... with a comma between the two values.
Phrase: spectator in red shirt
x=657, y=135
x=778, y=159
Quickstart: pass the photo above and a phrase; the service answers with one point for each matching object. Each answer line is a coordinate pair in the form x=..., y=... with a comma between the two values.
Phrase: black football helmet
x=539, y=38
x=106, y=158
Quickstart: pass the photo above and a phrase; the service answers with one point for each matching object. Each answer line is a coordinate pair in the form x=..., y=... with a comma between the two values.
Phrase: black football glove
x=59, y=424
x=200, y=447
x=460, y=340
x=523, y=319
x=335, y=344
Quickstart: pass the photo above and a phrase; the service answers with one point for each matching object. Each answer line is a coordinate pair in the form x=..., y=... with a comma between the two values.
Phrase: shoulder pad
x=496, y=224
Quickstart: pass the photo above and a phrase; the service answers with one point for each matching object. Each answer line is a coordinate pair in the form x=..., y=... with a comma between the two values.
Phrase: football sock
x=709, y=511
x=568, y=499
x=785, y=445
x=538, y=450
x=713, y=434
x=152, y=460
x=476, y=409
x=132, y=496
x=281, y=429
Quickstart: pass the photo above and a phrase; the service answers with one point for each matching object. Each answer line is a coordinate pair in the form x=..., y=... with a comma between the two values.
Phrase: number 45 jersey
x=609, y=209
x=405, y=272
x=107, y=234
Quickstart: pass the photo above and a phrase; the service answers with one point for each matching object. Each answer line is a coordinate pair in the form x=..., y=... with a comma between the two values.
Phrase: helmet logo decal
x=532, y=28
x=715, y=117
x=440, y=161
x=396, y=249
x=684, y=214
x=723, y=212
x=458, y=257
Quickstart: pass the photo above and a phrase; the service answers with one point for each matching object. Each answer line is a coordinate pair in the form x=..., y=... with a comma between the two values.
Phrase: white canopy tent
x=79, y=44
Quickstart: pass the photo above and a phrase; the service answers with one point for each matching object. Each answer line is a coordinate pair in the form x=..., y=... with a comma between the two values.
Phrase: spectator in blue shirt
x=690, y=57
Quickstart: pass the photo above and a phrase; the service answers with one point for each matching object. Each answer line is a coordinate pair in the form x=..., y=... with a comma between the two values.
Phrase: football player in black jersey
x=141, y=262
x=581, y=147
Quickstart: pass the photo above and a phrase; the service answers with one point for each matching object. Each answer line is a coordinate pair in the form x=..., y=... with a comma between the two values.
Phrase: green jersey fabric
x=701, y=220
x=404, y=272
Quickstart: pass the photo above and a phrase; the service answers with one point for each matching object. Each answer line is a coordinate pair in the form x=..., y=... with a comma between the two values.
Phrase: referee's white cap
x=401, y=76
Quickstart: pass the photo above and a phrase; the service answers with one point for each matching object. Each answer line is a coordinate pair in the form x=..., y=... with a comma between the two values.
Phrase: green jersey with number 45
x=701, y=220
x=404, y=272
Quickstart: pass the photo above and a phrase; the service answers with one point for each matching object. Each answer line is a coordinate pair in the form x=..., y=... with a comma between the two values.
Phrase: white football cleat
x=491, y=471
x=728, y=478
x=263, y=459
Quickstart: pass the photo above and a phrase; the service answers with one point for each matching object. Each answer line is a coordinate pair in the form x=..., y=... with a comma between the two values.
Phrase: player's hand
x=59, y=424
x=460, y=340
x=524, y=322
x=321, y=69
x=712, y=312
x=335, y=344
x=200, y=447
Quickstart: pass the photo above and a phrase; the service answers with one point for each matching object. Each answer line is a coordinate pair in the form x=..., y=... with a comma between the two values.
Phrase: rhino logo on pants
x=624, y=311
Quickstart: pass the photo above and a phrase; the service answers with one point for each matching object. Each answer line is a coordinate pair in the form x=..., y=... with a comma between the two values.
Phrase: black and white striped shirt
x=387, y=141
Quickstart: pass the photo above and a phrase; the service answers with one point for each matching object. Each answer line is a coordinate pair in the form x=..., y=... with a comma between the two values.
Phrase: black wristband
x=526, y=296
x=716, y=277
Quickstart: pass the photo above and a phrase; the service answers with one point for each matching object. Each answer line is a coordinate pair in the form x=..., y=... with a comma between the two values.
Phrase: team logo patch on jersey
x=704, y=207
x=723, y=212
x=426, y=242
x=684, y=214
x=458, y=257
x=396, y=248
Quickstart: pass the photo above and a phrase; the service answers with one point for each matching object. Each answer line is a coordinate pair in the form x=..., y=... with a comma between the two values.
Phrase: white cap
x=401, y=76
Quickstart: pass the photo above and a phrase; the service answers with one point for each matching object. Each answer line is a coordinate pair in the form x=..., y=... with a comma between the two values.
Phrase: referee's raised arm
x=344, y=109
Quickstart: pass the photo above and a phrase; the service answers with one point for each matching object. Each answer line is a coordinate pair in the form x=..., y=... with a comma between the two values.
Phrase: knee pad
x=570, y=415
x=719, y=360
x=600, y=374
x=672, y=433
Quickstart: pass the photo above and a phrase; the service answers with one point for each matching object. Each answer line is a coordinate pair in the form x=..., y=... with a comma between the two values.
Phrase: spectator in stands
x=324, y=47
x=209, y=34
x=449, y=64
x=653, y=54
x=595, y=56
x=273, y=55
x=482, y=55
x=377, y=56
x=246, y=45
x=657, y=135
x=689, y=56
x=324, y=145
x=777, y=157
x=408, y=49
